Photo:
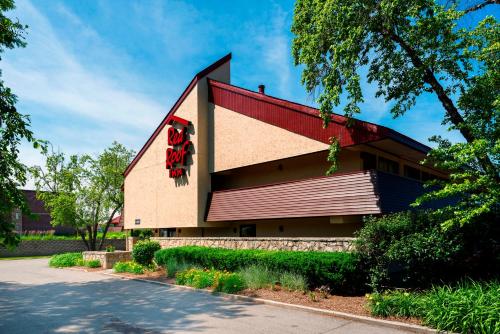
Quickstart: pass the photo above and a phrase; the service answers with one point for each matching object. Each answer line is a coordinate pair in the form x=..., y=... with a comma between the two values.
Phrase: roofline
x=339, y=119
x=174, y=108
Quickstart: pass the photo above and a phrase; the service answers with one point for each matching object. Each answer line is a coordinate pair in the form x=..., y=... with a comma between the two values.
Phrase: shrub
x=145, y=233
x=143, y=252
x=293, y=282
x=410, y=249
x=128, y=267
x=66, y=260
x=468, y=307
x=339, y=270
x=173, y=266
x=204, y=278
x=229, y=282
x=93, y=263
x=258, y=277
x=110, y=248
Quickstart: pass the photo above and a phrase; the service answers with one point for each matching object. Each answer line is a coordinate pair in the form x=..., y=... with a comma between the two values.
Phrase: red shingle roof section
x=301, y=119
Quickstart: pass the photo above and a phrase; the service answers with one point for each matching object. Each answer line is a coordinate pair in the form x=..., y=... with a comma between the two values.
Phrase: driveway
x=37, y=299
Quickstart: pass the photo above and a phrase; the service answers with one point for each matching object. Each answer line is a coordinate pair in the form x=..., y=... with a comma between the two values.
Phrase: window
x=247, y=231
x=412, y=173
x=428, y=176
x=369, y=161
x=137, y=222
x=389, y=166
x=167, y=232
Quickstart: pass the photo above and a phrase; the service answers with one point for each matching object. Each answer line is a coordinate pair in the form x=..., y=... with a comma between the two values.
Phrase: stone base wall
x=290, y=244
x=108, y=259
x=51, y=247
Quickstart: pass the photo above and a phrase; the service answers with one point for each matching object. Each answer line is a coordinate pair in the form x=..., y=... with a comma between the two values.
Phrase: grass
x=173, y=266
x=66, y=260
x=468, y=307
x=92, y=263
x=259, y=277
x=293, y=282
x=129, y=267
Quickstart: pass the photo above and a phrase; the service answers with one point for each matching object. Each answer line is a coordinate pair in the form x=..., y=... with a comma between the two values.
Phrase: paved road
x=37, y=299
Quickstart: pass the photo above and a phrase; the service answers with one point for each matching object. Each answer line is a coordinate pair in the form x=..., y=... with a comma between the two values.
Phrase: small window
x=137, y=222
x=369, y=161
x=389, y=166
x=248, y=231
x=412, y=173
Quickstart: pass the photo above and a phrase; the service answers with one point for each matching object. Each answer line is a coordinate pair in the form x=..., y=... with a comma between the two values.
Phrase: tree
x=14, y=127
x=410, y=48
x=84, y=191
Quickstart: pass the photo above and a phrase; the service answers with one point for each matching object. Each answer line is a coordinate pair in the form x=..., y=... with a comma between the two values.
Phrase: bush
x=66, y=260
x=339, y=270
x=128, y=267
x=410, y=249
x=469, y=307
x=293, y=282
x=204, y=278
x=145, y=233
x=258, y=277
x=173, y=266
x=93, y=263
x=110, y=248
x=229, y=282
x=143, y=252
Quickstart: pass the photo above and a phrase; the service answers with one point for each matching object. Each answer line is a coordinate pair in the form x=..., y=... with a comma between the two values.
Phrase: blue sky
x=98, y=71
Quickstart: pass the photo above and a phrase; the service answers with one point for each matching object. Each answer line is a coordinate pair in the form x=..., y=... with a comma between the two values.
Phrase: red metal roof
x=301, y=119
x=176, y=105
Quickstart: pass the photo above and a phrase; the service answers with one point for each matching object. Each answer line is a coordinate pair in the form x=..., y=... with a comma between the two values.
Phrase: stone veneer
x=292, y=244
x=107, y=259
x=50, y=247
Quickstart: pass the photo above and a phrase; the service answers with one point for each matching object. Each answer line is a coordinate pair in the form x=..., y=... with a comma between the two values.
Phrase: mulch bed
x=347, y=304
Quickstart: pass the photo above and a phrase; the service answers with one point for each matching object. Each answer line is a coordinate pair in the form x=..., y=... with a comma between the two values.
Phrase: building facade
x=231, y=162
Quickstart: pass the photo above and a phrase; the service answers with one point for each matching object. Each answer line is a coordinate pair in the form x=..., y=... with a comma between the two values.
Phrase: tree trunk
x=107, y=227
x=91, y=238
x=82, y=235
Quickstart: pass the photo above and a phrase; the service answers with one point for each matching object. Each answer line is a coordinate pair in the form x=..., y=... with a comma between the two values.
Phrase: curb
x=343, y=315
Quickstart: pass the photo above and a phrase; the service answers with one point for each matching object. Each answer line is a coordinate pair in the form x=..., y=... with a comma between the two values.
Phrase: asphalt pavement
x=37, y=299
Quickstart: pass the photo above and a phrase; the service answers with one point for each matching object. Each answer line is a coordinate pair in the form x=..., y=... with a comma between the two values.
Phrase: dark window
x=137, y=222
x=369, y=161
x=167, y=232
x=412, y=173
x=428, y=176
x=248, y=230
x=388, y=166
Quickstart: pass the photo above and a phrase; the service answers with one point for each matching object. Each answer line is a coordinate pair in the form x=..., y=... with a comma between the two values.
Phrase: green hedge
x=143, y=252
x=338, y=270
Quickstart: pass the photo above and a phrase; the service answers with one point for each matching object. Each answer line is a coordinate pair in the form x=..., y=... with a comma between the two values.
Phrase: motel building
x=227, y=161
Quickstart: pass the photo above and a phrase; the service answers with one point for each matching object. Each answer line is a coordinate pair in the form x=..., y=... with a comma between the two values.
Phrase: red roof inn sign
x=177, y=154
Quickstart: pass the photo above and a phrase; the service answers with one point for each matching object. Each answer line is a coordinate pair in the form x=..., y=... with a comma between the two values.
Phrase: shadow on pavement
x=110, y=305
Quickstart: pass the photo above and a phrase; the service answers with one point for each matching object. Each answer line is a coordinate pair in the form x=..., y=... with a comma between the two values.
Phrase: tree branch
x=452, y=111
x=481, y=5
x=107, y=227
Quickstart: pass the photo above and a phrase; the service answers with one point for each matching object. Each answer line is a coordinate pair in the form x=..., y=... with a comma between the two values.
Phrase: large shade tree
x=84, y=191
x=14, y=127
x=409, y=48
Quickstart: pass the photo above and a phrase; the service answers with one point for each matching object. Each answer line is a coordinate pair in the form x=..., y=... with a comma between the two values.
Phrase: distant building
x=41, y=220
x=116, y=224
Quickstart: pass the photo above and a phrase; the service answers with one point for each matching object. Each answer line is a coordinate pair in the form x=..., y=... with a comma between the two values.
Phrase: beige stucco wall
x=160, y=201
x=239, y=140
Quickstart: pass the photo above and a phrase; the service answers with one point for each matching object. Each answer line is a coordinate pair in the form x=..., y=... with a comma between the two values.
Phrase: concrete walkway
x=37, y=299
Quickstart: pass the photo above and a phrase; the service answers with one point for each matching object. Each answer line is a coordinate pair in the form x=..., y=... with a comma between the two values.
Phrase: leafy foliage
x=410, y=249
x=128, y=267
x=220, y=281
x=469, y=307
x=410, y=48
x=14, y=127
x=144, y=251
x=92, y=263
x=83, y=191
x=337, y=269
x=66, y=260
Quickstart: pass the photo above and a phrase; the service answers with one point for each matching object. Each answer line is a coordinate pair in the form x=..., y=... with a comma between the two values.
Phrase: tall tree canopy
x=84, y=191
x=409, y=48
x=14, y=127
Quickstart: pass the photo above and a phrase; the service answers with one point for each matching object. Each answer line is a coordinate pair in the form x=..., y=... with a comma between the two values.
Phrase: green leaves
x=410, y=48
